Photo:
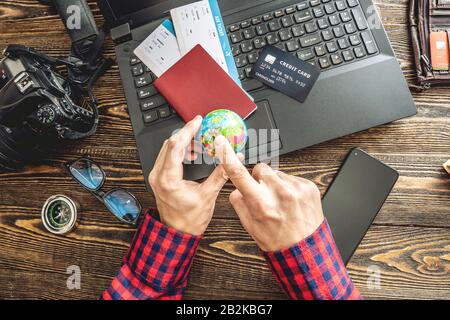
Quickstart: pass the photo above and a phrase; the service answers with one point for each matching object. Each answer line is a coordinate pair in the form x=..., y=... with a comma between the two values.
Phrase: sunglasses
x=122, y=204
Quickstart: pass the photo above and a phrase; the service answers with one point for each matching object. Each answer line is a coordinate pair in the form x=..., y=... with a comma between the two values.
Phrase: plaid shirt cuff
x=156, y=265
x=313, y=268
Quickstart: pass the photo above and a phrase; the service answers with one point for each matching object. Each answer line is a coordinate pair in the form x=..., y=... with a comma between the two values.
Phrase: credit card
x=439, y=50
x=159, y=51
x=286, y=73
x=201, y=23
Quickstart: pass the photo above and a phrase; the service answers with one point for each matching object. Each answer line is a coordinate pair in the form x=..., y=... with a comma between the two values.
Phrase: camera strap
x=87, y=40
x=17, y=50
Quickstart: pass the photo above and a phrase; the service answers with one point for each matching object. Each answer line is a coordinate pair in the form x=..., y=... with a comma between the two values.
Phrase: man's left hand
x=186, y=206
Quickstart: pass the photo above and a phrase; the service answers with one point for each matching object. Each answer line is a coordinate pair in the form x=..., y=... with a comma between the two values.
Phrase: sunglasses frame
x=99, y=194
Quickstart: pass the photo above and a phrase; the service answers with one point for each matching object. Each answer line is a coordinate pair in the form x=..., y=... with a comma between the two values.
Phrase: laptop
x=361, y=84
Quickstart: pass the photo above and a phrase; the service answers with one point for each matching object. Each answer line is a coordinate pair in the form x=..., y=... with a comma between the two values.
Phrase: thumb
x=216, y=180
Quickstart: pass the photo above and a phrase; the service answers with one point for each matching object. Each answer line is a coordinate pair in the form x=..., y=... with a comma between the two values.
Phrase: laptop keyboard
x=325, y=33
x=153, y=106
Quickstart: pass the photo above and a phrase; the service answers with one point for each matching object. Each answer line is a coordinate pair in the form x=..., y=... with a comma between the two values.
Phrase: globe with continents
x=226, y=123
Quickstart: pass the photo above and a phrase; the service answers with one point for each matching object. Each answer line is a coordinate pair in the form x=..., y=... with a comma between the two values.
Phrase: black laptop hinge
x=121, y=33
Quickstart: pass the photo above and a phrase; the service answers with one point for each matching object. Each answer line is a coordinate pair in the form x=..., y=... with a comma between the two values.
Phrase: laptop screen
x=123, y=8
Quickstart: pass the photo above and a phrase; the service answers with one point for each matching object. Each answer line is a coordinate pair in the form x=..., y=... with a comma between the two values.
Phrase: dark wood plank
x=409, y=241
x=413, y=262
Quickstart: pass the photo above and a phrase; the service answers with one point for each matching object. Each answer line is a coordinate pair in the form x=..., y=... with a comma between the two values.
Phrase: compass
x=59, y=214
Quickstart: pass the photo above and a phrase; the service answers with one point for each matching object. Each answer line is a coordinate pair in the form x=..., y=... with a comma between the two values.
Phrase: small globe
x=226, y=123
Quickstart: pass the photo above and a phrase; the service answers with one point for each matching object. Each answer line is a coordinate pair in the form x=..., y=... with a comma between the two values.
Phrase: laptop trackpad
x=264, y=137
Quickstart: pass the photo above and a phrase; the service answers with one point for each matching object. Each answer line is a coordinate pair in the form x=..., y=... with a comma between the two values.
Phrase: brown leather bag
x=426, y=16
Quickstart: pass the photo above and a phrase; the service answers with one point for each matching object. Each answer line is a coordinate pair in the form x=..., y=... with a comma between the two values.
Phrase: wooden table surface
x=409, y=243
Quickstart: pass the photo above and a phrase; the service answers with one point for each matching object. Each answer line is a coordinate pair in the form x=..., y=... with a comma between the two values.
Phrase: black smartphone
x=355, y=197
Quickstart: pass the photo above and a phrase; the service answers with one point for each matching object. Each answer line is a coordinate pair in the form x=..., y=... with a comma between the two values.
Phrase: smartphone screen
x=355, y=197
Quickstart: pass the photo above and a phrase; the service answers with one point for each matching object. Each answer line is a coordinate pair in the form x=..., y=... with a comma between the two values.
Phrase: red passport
x=197, y=85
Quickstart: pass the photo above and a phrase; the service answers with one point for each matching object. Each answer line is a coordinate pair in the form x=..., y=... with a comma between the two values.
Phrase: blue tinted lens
x=123, y=205
x=87, y=173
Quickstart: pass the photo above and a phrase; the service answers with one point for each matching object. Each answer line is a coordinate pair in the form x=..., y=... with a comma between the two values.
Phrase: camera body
x=39, y=106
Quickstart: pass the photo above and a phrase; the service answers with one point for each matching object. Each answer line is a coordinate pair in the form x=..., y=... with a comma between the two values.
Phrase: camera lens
x=17, y=147
x=9, y=157
x=7, y=164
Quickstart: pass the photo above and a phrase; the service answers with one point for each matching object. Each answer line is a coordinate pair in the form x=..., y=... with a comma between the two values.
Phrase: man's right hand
x=276, y=209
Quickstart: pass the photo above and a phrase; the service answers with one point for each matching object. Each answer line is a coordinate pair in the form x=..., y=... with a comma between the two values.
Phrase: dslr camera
x=45, y=100
x=39, y=106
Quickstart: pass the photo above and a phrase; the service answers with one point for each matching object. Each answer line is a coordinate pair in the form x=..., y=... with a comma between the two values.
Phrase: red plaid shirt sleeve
x=313, y=269
x=156, y=266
